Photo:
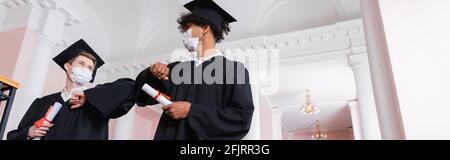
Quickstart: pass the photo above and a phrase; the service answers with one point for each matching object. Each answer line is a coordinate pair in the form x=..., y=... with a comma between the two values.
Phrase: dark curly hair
x=202, y=22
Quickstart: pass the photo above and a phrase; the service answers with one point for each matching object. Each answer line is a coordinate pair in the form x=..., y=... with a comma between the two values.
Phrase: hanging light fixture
x=318, y=133
x=309, y=107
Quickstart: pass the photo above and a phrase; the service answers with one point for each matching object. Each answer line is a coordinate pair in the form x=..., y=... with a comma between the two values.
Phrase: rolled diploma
x=51, y=114
x=158, y=96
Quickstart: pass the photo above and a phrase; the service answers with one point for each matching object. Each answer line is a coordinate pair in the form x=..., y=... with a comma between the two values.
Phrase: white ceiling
x=145, y=28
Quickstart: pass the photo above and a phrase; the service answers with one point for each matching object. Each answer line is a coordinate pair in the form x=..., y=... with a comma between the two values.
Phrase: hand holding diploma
x=34, y=132
x=176, y=110
x=40, y=128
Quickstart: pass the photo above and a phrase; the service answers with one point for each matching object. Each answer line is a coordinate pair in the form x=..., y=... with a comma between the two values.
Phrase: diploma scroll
x=49, y=116
x=157, y=95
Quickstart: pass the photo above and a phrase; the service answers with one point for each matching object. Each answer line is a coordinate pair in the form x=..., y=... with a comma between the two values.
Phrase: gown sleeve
x=230, y=121
x=112, y=100
x=33, y=114
x=142, y=98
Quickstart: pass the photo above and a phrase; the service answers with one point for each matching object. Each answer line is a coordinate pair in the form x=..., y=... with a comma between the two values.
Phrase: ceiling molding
x=13, y=4
x=307, y=46
x=309, y=130
x=64, y=8
x=297, y=106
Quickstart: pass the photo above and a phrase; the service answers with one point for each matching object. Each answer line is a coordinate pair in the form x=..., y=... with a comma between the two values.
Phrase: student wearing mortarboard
x=85, y=111
x=201, y=110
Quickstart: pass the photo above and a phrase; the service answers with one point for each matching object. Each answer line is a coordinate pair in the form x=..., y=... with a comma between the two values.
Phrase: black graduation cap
x=209, y=10
x=73, y=51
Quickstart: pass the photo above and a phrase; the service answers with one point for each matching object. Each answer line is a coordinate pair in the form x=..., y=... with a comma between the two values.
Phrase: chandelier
x=309, y=107
x=318, y=133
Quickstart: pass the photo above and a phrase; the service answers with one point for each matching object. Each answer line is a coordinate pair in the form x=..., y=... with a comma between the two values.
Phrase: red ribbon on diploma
x=159, y=94
x=44, y=119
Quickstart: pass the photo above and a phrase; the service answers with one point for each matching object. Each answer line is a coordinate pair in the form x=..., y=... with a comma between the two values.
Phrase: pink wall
x=10, y=44
x=285, y=135
x=145, y=123
x=266, y=129
x=16, y=46
x=56, y=79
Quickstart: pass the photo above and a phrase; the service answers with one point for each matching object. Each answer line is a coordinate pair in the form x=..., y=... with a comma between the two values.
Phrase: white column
x=366, y=103
x=381, y=69
x=33, y=85
x=123, y=129
x=48, y=19
x=277, y=130
x=356, y=123
x=255, y=128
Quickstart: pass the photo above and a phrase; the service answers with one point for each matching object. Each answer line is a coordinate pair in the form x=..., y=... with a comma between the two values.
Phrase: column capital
x=357, y=60
x=278, y=112
x=352, y=105
x=57, y=15
x=63, y=8
x=50, y=41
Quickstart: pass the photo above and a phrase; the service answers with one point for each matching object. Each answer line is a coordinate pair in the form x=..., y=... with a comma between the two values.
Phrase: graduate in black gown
x=214, y=105
x=86, y=110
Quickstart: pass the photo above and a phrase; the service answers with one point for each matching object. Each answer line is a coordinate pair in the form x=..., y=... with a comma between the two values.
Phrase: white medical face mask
x=190, y=42
x=81, y=75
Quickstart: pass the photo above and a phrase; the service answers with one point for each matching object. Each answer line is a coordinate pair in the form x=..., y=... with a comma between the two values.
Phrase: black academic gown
x=218, y=111
x=89, y=122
